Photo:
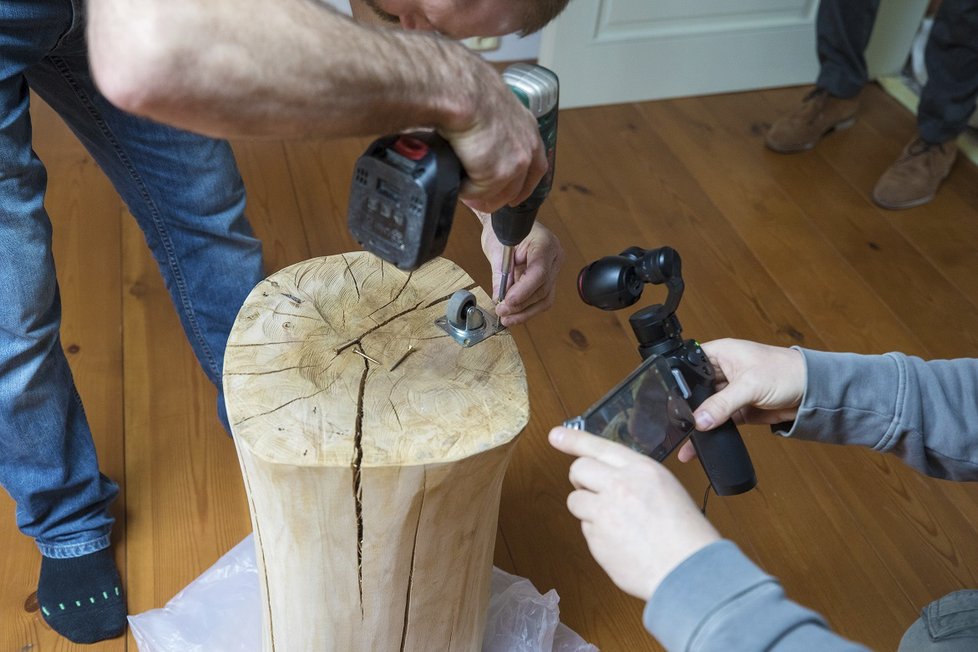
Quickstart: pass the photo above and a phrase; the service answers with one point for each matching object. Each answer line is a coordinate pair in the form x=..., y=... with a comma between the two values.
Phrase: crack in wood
x=414, y=551
x=459, y=368
x=356, y=285
x=357, y=465
x=322, y=315
x=292, y=314
x=243, y=345
x=433, y=337
x=394, y=410
x=276, y=409
x=358, y=340
x=366, y=279
x=395, y=297
x=262, y=563
x=300, y=278
x=273, y=371
x=387, y=321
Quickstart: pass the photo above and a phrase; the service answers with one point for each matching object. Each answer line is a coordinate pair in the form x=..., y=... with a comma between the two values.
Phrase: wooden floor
x=781, y=249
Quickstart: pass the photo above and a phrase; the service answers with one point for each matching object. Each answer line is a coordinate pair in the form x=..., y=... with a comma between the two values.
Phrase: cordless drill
x=405, y=187
x=539, y=91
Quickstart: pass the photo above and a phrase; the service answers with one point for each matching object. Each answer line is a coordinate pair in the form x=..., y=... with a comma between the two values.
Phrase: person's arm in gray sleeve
x=925, y=413
x=717, y=599
x=702, y=593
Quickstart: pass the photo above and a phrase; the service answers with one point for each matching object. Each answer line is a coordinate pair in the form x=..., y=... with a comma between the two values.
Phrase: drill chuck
x=535, y=86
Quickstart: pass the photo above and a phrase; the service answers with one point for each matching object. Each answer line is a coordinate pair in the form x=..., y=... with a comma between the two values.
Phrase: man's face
x=453, y=18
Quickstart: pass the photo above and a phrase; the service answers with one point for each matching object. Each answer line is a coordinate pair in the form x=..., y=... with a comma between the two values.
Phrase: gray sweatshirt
x=926, y=413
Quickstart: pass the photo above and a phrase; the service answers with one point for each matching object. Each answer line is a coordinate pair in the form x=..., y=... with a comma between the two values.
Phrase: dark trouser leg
x=948, y=98
x=843, y=29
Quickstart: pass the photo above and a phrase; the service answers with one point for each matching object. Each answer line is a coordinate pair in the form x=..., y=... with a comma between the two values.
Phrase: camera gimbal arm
x=615, y=282
x=660, y=266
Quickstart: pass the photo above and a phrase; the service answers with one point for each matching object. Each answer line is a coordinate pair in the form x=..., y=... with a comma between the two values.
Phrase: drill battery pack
x=403, y=198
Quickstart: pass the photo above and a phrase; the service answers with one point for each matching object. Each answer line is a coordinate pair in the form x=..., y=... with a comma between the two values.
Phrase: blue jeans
x=946, y=101
x=187, y=196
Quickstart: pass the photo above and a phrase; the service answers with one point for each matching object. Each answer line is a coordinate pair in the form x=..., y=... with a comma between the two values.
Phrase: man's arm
x=299, y=68
x=294, y=67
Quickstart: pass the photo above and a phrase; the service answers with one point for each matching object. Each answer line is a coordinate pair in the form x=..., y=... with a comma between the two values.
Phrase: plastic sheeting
x=220, y=611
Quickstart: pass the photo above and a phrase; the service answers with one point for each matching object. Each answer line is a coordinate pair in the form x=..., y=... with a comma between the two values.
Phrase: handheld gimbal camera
x=616, y=282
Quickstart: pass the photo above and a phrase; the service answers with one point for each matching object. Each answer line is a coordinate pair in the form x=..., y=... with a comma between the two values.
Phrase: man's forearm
x=289, y=68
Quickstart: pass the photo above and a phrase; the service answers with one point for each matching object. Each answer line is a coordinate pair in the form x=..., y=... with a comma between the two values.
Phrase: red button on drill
x=411, y=147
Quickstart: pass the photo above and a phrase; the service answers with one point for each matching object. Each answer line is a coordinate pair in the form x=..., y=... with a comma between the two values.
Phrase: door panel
x=608, y=51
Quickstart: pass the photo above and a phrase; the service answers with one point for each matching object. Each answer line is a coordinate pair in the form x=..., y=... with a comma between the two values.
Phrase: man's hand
x=639, y=522
x=756, y=383
x=536, y=262
x=500, y=149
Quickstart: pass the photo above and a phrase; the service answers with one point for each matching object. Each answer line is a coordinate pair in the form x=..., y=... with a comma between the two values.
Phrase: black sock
x=81, y=598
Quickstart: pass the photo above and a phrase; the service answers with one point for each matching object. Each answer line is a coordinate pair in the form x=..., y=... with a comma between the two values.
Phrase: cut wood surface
x=373, y=478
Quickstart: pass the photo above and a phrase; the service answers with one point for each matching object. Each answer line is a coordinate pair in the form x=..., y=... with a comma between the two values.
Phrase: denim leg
x=186, y=194
x=47, y=457
x=843, y=28
x=948, y=98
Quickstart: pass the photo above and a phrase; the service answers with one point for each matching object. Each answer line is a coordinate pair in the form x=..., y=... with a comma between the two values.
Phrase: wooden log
x=374, y=493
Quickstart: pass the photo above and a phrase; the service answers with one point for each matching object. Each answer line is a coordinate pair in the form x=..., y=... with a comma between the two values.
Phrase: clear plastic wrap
x=522, y=620
x=220, y=612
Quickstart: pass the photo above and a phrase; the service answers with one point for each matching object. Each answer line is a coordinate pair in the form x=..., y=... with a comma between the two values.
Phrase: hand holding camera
x=675, y=371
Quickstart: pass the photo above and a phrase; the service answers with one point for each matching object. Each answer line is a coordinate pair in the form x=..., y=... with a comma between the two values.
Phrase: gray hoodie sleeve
x=926, y=413
x=719, y=600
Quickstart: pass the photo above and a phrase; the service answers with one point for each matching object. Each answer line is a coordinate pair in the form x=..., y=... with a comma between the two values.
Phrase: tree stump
x=374, y=492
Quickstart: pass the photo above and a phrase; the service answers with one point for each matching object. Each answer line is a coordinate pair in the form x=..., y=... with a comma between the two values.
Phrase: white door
x=609, y=51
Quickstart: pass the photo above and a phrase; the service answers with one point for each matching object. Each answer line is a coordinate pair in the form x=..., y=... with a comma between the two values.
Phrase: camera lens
x=610, y=283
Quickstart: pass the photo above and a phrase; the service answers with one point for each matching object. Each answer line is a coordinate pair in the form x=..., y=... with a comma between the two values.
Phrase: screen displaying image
x=646, y=411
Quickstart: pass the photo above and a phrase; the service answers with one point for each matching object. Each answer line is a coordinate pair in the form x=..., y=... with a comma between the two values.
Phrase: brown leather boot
x=914, y=178
x=818, y=114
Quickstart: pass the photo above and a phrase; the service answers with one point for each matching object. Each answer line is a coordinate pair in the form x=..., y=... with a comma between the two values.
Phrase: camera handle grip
x=722, y=453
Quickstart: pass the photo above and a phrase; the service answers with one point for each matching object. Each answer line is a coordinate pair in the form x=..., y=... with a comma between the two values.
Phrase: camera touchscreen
x=646, y=411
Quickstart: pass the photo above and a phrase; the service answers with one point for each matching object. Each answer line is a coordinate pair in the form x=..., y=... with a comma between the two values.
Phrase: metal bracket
x=466, y=322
